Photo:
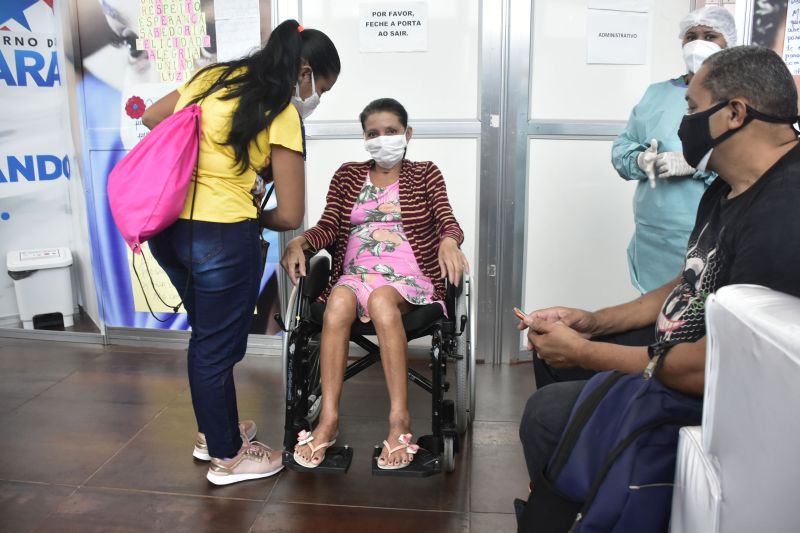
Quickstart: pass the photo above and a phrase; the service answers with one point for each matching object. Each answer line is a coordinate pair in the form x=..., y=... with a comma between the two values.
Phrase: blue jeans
x=226, y=270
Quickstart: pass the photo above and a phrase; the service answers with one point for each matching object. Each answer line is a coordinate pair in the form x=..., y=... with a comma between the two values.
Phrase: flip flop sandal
x=304, y=438
x=405, y=442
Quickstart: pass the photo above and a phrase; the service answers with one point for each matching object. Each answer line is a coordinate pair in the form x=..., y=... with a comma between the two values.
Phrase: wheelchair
x=453, y=407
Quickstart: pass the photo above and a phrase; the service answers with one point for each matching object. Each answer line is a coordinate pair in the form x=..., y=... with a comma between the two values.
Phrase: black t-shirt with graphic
x=753, y=238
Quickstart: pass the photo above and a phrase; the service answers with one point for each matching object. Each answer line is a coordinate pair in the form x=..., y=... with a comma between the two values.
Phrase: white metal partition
x=578, y=215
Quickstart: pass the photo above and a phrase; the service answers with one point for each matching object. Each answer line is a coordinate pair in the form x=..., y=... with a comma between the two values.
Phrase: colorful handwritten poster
x=791, y=44
x=172, y=32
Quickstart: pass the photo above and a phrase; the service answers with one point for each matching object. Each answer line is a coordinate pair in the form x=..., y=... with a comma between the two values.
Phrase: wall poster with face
x=133, y=52
x=770, y=20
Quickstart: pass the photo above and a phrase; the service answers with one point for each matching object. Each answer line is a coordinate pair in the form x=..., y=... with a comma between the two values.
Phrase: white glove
x=671, y=164
x=647, y=162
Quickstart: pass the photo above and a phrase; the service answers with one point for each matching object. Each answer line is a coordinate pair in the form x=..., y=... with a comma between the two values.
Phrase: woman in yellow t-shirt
x=252, y=111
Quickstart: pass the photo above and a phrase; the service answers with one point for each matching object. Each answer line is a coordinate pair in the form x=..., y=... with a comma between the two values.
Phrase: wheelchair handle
x=462, y=326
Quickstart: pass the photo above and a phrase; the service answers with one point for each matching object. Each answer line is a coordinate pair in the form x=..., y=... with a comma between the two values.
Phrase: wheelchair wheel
x=473, y=334
x=314, y=384
x=287, y=335
x=465, y=364
x=448, y=454
x=297, y=343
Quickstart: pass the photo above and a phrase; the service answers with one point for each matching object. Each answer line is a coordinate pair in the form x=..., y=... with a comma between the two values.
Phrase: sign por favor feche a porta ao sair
x=393, y=27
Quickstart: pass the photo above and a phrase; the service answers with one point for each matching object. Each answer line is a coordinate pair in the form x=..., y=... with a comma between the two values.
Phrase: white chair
x=740, y=470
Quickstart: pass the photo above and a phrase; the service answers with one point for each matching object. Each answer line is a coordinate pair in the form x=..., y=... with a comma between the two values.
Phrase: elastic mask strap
x=758, y=115
x=769, y=118
x=313, y=88
x=755, y=114
x=730, y=133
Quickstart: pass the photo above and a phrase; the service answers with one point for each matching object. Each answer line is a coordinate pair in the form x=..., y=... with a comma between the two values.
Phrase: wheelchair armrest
x=318, y=272
x=452, y=293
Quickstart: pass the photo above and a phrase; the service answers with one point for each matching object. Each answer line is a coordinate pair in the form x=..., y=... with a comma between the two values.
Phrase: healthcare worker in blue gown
x=649, y=152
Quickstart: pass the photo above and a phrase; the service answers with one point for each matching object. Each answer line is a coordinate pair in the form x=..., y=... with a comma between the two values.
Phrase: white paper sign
x=616, y=38
x=237, y=37
x=393, y=27
x=791, y=43
x=640, y=6
x=238, y=28
x=231, y=9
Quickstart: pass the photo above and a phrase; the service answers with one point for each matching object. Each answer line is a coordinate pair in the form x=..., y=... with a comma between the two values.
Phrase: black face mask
x=695, y=132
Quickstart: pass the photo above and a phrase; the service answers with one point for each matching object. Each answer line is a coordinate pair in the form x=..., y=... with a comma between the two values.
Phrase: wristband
x=658, y=354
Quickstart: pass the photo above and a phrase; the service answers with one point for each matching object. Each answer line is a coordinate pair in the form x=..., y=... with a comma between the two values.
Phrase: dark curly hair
x=384, y=104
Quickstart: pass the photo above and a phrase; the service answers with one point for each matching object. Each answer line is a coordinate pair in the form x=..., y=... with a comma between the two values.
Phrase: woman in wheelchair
x=392, y=235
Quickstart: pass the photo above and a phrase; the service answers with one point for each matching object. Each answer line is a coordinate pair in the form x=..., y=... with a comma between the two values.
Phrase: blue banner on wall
x=36, y=149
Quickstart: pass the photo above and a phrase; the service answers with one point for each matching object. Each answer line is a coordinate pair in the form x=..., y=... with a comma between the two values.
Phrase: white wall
x=579, y=225
x=579, y=211
x=563, y=86
x=441, y=83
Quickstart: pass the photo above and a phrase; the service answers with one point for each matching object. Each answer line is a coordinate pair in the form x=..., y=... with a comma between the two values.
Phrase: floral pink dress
x=378, y=252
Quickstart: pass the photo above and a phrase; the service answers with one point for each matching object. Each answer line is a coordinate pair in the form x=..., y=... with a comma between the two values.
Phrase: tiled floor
x=99, y=439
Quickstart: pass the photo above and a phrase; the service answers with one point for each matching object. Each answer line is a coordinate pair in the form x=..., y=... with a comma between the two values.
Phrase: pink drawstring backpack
x=147, y=188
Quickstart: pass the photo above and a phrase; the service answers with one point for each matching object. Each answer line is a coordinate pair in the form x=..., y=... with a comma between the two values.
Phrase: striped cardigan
x=425, y=210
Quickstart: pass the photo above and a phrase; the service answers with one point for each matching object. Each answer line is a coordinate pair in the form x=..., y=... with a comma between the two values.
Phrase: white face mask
x=307, y=106
x=695, y=52
x=387, y=150
x=702, y=166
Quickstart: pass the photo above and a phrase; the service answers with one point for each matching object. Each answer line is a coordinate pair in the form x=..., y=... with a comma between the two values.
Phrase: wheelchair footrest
x=424, y=464
x=337, y=461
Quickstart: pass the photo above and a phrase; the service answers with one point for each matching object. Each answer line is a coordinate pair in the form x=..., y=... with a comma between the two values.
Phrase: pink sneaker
x=247, y=429
x=254, y=461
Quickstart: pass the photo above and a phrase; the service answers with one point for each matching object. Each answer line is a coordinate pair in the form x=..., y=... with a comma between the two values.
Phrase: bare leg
x=340, y=313
x=386, y=308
